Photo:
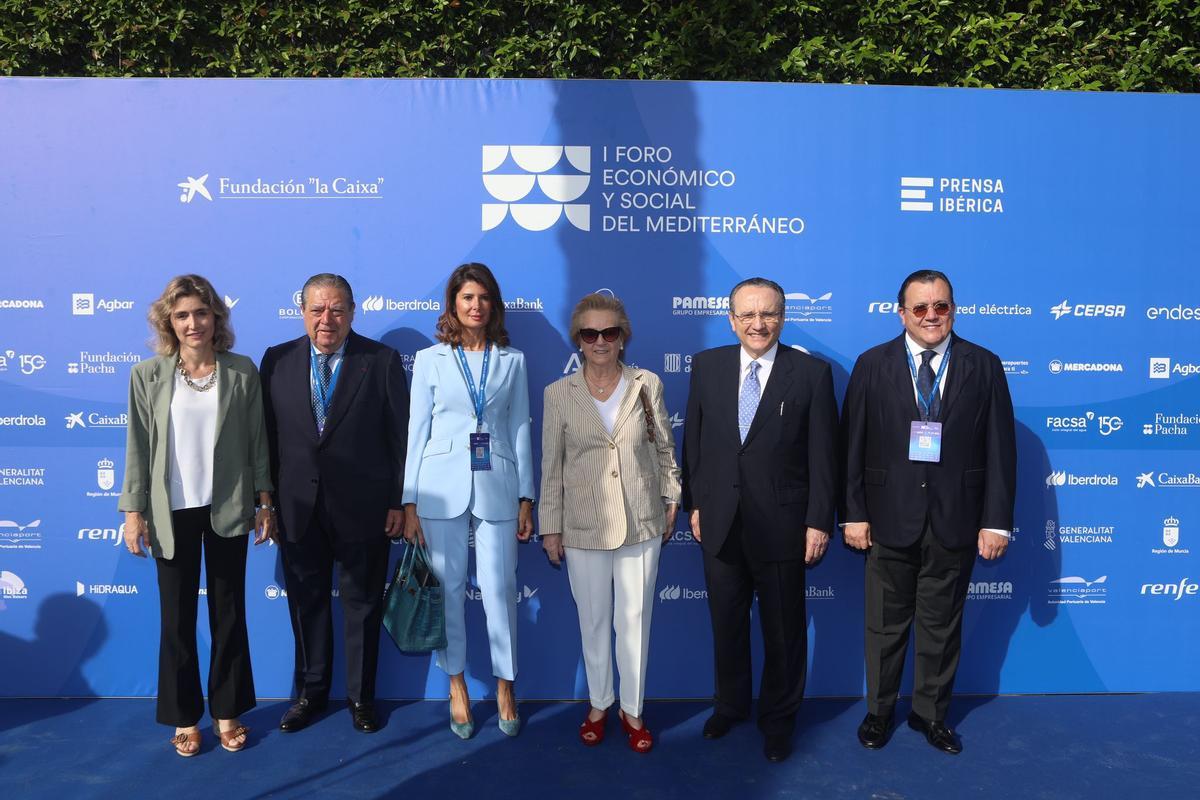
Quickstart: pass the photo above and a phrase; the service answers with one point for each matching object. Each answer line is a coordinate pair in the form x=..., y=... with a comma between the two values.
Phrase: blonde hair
x=600, y=302
x=165, y=342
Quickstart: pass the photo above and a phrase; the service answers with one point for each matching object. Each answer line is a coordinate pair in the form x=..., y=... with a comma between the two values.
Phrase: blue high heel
x=463, y=730
x=510, y=727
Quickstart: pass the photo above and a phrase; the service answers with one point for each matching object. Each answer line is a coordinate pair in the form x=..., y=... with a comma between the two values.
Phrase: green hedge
x=1073, y=44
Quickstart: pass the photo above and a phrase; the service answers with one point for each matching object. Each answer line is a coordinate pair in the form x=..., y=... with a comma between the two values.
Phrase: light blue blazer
x=437, y=472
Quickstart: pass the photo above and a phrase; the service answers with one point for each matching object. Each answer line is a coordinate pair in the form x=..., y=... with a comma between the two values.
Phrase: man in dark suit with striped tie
x=759, y=479
x=336, y=406
x=930, y=480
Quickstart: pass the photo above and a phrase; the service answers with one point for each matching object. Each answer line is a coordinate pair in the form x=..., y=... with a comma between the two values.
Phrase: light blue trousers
x=496, y=574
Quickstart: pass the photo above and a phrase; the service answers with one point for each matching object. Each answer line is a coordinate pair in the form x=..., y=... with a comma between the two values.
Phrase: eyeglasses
x=590, y=335
x=769, y=317
x=941, y=308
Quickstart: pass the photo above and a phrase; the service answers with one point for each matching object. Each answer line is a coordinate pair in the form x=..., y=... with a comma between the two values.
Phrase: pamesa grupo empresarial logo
x=561, y=174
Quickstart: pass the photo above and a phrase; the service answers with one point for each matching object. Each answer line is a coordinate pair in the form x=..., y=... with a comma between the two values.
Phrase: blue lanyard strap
x=927, y=402
x=477, y=398
x=325, y=397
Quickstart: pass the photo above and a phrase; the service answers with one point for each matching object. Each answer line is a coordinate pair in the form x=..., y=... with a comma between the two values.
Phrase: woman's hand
x=525, y=521
x=137, y=534
x=552, y=544
x=264, y=526
x=672, y=510
x=412, y=525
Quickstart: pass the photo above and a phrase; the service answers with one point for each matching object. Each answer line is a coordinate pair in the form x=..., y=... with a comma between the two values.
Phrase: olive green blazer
x=241, y=465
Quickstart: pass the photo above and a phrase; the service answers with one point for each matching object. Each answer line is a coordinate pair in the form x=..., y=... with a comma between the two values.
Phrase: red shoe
x=640, y=739
x=591, y=732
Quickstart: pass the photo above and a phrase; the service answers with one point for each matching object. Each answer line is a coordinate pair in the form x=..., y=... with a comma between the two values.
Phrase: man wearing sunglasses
x=930, y=480
x=760, y=482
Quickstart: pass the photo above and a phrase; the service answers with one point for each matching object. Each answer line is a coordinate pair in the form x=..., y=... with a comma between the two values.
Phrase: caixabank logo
x=561, y=174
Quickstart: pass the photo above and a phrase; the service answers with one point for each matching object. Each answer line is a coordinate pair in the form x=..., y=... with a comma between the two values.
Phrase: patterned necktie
x=925, y=387
x=748, y=400
x=321, y=390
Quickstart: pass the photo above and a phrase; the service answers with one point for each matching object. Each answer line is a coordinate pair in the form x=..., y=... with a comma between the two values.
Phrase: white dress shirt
x=765, y=362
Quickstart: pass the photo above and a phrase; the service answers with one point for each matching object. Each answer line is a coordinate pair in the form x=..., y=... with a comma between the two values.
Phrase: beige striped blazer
x=602, y=491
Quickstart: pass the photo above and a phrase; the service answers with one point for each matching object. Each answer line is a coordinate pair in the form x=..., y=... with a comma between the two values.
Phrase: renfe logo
x=1175, y=590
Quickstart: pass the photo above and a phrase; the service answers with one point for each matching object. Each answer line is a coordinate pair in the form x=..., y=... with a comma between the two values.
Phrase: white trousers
x=496, y=573
x=614, y=589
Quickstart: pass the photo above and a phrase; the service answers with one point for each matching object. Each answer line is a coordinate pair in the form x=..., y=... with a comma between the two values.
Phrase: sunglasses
x=590, y=335
x=941, y=308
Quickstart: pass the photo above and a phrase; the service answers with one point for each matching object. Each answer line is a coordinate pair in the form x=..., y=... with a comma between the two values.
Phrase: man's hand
x=695, y=522
x=412, y=525
x=815, y=542
x=992, y=545
x=857, y=535
x=393, y=524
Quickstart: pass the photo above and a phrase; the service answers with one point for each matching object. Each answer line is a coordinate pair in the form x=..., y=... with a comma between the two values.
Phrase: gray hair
x=765, y=283
x=330, y=280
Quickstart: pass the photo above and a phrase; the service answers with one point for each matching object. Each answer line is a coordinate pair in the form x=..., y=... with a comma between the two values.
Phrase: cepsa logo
x=1068, y=309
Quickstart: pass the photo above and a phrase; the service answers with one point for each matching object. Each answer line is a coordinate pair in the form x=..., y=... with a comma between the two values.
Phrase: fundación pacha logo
x=511, y=171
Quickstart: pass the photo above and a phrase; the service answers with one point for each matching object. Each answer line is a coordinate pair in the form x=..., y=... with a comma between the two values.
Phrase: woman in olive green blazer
x=196, y=454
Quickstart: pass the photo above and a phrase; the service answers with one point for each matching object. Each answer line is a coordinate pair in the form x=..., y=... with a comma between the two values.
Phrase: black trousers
x=928, y=583
x=308, y=572
x=230, y=680
x=733, y=577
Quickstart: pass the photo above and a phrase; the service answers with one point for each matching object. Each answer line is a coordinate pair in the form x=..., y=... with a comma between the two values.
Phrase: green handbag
x=414, y=608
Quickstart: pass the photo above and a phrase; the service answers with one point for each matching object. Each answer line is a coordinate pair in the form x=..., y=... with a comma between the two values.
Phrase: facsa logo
x=534, y=163
x=28, y=363
x=1067, y=309
x=192, y=187
x=1176, y=591
x=1107, y=424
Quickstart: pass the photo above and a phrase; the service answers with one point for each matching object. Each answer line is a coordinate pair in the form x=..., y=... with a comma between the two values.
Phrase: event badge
x=481, y=451
x=925, y=441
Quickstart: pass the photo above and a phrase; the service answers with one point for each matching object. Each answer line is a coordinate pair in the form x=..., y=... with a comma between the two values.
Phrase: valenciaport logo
x=958, y=195
x=21, y=304
x=1162, y=368
x=1168, y=480
x=1104, y=424
x=1176, y=313
x=11, y=588
x=1063, y=478
x=1172, y=591
x=1170, y=539
x=377, y=302
x=93, y=419
x=1171, y=425
x=711, y=306
x=802, y=307
x=106, y=363
x=86, y=304
x=15, y=535
x=677, y=591
x=990, y=590
x=1078, y=591
x=109, y=589
x=1058, y=367
x=1069, y=309
x=510, y=173
x=192, y=187
x=26, y=363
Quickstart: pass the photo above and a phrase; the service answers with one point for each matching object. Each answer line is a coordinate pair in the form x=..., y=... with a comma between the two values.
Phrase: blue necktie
x=925, y=387
x=321, y=390
x=748, y=400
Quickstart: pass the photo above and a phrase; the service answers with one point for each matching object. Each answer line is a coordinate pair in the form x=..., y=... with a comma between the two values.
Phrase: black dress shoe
x=777, y=747
x=300, y=715
x=875, y=731
x=364, y=717
x=936, y=733
x=718, y=725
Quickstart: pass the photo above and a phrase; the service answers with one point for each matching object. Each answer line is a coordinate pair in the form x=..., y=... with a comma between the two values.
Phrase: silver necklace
x=203, y=386
x=602, y=389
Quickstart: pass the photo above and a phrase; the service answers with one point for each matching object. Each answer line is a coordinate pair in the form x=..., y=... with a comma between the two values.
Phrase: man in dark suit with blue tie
x=930, y=480
x=759, y=478
x=336, y=407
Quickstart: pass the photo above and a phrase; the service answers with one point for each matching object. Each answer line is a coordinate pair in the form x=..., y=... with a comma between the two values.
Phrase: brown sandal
x=228, y=736
x=181, y=740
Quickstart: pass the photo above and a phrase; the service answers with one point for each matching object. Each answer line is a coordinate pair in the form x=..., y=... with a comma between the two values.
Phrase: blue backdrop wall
x=1067, y=222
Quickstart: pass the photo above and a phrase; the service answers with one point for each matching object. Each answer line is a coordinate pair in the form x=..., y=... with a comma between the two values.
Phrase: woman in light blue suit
x=469, y=471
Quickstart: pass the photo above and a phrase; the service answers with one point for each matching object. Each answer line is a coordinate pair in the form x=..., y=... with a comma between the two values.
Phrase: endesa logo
x=1177, y=313
x=1068, y=309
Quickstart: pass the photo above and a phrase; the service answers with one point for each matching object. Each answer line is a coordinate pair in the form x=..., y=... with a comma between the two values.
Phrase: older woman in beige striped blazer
x=610, y=490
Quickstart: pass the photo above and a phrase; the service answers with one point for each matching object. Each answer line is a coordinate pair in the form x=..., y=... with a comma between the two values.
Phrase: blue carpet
x=1036, y=748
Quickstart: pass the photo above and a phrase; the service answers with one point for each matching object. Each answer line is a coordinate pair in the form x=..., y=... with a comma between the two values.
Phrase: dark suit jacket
x=783, y=478
x=974, y=484
x=359, y=459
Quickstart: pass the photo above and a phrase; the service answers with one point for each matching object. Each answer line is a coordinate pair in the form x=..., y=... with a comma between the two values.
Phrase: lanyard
x=325, y=398
x=927, y=402
x=477, y=399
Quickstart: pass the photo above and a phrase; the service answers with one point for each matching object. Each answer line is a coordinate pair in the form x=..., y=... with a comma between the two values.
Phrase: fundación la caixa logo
x=510, y=173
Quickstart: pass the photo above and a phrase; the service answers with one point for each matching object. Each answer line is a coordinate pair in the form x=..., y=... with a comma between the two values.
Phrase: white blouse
x=608, y=408
x=190, y=444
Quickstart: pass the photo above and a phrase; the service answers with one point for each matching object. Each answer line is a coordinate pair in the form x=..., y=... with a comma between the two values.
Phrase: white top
x=765, y=362
x=608, y=408
x=190, y=443
x=935, y=363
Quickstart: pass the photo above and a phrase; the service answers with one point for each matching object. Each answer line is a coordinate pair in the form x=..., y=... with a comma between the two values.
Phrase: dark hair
x=763, y=282
x=330, y=280
x=165, y=342
x=923, y=276
x=449, y=329
x=600, y=302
